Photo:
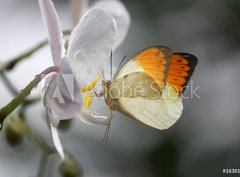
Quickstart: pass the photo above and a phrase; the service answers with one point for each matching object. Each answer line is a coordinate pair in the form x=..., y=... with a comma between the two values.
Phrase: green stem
x=20, y=98
x=14, y=92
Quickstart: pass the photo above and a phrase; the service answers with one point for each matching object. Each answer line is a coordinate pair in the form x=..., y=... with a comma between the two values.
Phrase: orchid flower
x=119, y=13
x=90, y=45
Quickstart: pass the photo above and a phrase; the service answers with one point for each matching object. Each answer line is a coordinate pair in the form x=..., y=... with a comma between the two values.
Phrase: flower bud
x=70, y=168
x=15, y=130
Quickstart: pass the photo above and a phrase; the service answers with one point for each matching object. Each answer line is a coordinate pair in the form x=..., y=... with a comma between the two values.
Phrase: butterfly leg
x=105, y=138
x=96, y=94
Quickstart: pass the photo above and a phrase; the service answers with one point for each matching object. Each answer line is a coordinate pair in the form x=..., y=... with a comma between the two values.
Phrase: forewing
x=153, y=61
x=135, y=84
x=181, y=68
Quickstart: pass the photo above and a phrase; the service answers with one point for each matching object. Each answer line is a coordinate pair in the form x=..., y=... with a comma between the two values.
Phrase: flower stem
x=22, y=95
x=14, y=92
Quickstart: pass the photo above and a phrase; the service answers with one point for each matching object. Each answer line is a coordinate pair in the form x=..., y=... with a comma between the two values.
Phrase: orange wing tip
x=180, y=70
x=176, y=83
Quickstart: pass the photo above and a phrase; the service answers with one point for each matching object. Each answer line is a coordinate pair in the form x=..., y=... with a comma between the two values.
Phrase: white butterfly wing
x=160, y=113
x=138, y=96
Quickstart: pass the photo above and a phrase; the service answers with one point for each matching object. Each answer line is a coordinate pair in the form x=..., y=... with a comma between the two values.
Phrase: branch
x=12, y=105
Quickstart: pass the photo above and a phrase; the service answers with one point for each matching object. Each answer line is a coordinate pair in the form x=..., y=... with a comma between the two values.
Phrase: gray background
x=204, y=140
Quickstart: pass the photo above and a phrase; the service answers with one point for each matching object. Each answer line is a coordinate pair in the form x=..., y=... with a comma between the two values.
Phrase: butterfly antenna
x=103, y=75
x=111, y=66
x=105, y=138
x=121, y=63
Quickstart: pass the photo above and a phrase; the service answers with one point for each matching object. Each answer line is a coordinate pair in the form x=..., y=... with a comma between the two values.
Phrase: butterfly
x=149, y=87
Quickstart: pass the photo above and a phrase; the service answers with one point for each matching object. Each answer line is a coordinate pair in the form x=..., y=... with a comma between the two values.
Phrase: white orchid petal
x=90, y=45
x=56, y=141
x=51, y=20
x=53, y=130
x=92, y=118
x=46, y=85
x=62, y=97
x=120, y=14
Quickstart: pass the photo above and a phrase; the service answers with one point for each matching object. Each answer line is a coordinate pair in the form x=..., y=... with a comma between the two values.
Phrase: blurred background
x=203, y=142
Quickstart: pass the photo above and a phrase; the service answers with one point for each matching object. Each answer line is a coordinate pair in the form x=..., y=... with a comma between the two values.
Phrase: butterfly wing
x=181, y=68
x=154, y=65
x=160, y=113
x=138, y=96
x=153, y=61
